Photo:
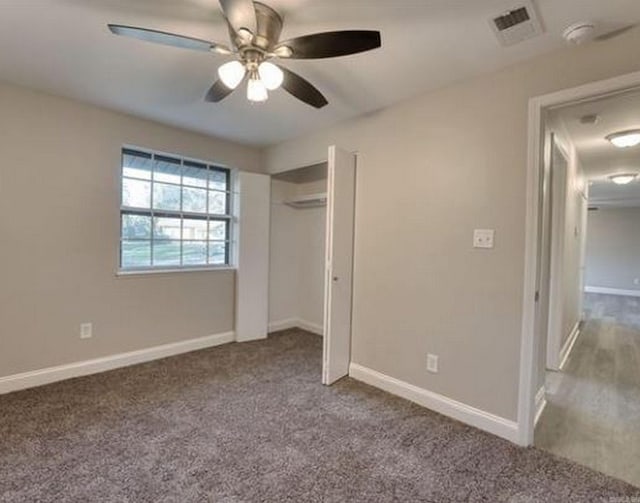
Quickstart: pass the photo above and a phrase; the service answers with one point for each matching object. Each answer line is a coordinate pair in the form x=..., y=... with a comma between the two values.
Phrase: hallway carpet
x=251, y=422
x=593, y=406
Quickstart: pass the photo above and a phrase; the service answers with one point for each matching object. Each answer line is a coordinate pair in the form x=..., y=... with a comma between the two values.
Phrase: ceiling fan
x=255, y=30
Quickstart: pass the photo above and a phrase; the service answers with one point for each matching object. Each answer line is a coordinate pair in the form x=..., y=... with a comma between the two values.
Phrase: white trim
x=309, y=326
x=541, y=403
x=127, y=273
x=49, y=375
x=528, y=360
x=288, y=323
x=612, y=291
x=486, y=421
x=568, y=345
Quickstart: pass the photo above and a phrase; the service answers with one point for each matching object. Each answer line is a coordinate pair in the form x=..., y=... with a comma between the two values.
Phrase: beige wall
x=574, y=234
x=59, y=228
x=431, y=169
x=568, y=206
x=296, y=279
x=613, y=248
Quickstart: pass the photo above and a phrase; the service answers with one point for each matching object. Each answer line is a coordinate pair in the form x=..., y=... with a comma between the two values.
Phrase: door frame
x=535, y=159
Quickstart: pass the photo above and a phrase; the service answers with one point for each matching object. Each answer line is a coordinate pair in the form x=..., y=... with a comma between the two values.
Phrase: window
x=174, y=213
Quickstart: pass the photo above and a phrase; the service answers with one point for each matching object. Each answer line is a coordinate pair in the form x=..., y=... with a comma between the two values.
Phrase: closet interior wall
x=296, y=284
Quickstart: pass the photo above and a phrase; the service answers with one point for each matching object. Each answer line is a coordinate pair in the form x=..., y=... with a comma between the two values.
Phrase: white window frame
x=228, y=216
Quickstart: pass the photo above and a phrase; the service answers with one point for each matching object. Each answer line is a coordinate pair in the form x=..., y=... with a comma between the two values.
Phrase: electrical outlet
x=483, y=238
x=86, y=330
x=432, y=363
x=636, y=281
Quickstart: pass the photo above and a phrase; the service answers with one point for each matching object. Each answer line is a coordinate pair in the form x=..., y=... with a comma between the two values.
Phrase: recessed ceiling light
x=625, y=139
x=623, y=178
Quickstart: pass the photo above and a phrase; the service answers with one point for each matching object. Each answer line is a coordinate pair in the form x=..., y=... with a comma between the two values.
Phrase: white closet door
x=339, y=264
x=253, y=206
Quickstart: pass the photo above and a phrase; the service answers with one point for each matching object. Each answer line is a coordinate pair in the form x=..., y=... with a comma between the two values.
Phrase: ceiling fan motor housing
x=268, y=29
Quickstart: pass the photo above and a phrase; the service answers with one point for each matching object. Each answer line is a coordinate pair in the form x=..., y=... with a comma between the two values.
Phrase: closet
x=298, y=239
x=311, y=255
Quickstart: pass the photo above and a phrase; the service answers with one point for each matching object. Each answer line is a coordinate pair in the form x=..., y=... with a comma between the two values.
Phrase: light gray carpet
x=252, y=422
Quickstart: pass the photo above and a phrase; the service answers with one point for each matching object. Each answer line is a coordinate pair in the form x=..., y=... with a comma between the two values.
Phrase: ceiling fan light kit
x=255, y=30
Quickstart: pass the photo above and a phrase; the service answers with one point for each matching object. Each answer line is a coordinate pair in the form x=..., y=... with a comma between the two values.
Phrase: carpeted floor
x=252, y=422
x=593, y=406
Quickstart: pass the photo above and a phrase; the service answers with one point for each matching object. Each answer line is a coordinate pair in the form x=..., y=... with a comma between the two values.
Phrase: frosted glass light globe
x=271, y=76
x=232, y=73
x=256, y=91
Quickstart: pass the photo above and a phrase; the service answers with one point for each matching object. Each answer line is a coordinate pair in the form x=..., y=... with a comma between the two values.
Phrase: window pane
x=136, y=193
x=136, y=227
x=194, y=174
x=166, y=197
x=166, y=253
x=194, y=200
x=217, y=229
x=217, y=253
x=218, y=179
x=194, y=229
x=166, y=228
x=136, y=254
x=158, y=192
x=166, y=169
x=136, y=165
x=217, y=203
x=194, y=252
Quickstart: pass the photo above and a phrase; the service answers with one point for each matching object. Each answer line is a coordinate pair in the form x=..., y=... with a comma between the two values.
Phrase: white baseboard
x=541, y=403
x=612, y=291
x=314, y=328
x=288, y=323
x=565, y=351
x=59, y=373
x=486, y=421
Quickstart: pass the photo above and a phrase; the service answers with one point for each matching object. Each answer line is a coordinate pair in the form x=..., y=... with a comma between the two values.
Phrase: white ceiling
x=605, y=193
x=599, y=158
x=64, y=47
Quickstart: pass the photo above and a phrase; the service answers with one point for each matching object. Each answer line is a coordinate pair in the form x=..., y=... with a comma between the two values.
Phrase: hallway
x=593, y=407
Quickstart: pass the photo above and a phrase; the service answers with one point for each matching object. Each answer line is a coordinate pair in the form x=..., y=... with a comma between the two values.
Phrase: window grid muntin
x=182, y=215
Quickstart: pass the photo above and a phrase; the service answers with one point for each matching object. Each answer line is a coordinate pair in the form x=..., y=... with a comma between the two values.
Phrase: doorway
x=311, y=270
x=586, y=370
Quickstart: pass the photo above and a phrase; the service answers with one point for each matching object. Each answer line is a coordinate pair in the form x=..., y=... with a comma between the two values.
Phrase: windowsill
x=125, y=273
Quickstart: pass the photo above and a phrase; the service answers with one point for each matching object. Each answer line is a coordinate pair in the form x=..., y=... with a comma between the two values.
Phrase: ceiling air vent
x=517, y=25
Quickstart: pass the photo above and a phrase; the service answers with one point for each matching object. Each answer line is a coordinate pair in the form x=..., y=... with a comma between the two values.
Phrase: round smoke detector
x=579, y=33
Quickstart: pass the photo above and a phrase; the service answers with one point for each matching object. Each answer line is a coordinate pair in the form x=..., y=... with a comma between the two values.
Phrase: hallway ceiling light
x=623, y=178
x=625, y=139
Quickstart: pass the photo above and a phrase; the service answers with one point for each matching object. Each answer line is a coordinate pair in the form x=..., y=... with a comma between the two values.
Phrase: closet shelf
x=310, y=201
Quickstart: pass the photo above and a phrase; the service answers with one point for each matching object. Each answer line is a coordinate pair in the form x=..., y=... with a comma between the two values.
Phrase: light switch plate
x=483, y=238
x=86, y=330
x=432, y=363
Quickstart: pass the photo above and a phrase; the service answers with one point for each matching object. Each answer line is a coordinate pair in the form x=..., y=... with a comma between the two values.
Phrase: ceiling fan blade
x=330, y=44
x=240, y=14
x=302, y=89
x=217, y=92
x=164, y=38
x=613, y=34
